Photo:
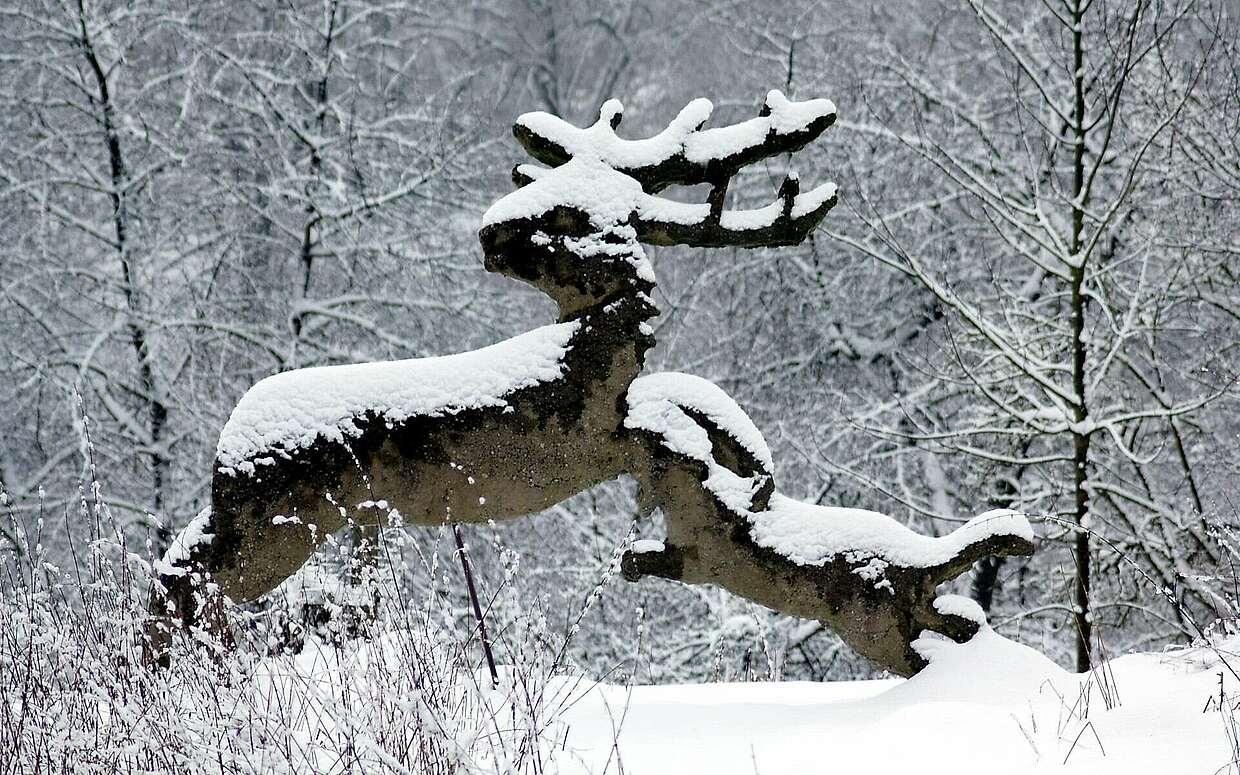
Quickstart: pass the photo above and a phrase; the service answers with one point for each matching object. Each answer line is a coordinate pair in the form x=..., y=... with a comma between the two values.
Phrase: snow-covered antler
x=685, y=153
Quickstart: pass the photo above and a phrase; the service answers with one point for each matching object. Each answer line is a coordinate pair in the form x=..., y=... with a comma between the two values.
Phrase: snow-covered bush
x=411, y=695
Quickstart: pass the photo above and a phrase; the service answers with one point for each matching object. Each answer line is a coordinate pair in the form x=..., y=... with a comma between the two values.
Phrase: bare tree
x=1059, y=308
x=95, y=171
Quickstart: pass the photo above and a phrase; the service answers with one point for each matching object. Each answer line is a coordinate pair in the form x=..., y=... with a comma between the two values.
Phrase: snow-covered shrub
x=411, y=696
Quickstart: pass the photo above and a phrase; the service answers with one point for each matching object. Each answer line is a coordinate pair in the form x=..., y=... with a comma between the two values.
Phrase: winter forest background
x=1029, y=296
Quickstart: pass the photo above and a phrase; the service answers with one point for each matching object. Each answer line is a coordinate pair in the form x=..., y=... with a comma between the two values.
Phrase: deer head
x=573, y=228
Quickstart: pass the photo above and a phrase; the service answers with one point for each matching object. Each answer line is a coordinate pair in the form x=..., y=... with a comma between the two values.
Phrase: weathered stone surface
x=709, y=543
x=559, y=437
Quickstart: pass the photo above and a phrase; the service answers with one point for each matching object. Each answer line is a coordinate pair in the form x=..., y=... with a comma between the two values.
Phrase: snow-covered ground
x=410, y=702
x=988, y=706
x=991, y=706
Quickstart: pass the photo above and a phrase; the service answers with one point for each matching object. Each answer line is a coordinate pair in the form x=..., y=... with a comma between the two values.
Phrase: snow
x=958, y=605
x=627, y=249
x=664, y=210
x=681, y=136
x=989, y=705
x=646, y=546
x=814, y=535
x=787, y=116
x=657, y=208
x=988, y=670
x=724, y=141
x=601, y=142
x=192, y=535
x=531, y=171
x=291, y=411
x=654, y=405
x=811, y=200
x=584, y=183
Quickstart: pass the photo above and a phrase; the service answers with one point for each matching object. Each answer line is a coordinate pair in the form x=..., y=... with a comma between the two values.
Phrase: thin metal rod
x=473, y=598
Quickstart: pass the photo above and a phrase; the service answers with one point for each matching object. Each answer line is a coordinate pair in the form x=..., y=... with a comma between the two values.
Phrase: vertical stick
x=473, y=598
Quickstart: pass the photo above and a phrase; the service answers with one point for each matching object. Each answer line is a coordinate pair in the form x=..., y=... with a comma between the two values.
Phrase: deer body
x=305, y=449
x=545, y=443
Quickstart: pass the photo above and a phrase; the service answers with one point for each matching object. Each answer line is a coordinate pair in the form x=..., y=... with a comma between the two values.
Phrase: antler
x=786, y=221
x=684, y=153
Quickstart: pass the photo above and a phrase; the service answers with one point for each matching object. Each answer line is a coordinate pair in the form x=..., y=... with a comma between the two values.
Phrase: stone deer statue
x=521, y=425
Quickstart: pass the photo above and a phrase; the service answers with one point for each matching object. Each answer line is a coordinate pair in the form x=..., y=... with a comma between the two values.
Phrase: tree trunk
x=1080, y=434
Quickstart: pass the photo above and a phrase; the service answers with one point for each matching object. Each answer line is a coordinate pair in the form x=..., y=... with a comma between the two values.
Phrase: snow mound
x=656, y=403
x=291, y=411
x=814, y=535
x=999, y=671
x=986, y=706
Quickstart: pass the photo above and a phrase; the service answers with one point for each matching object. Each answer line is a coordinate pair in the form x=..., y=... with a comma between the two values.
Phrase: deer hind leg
x=227, y=555
x=862, y=574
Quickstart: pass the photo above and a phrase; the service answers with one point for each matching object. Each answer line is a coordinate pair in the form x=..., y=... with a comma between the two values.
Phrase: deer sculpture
x=521, y=425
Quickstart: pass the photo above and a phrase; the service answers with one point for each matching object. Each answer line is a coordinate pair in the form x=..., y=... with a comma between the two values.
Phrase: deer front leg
x=862, y=574
x=667, y=562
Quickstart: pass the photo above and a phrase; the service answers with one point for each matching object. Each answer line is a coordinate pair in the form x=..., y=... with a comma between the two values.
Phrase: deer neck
x=611, y=294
